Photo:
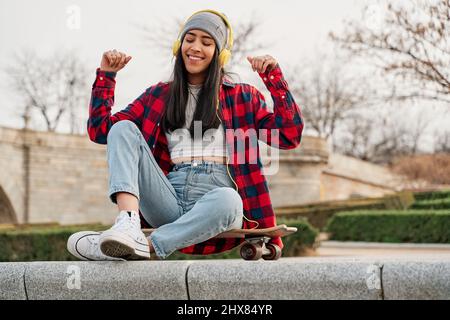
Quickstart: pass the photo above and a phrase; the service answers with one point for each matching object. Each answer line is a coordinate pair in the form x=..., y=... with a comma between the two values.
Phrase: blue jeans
x=188, y=206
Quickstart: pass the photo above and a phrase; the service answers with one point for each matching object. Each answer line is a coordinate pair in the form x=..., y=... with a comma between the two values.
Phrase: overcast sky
x=297, y=27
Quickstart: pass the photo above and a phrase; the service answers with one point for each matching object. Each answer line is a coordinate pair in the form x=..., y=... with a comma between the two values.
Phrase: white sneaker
x=84, y=245
x=125, y=238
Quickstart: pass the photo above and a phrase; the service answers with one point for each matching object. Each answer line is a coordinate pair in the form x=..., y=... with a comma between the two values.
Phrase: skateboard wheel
x=275, y=252
x=251, y=252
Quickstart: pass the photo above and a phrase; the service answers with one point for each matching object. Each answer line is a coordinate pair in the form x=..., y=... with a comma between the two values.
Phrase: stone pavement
x=361, y=249
x=407, y=276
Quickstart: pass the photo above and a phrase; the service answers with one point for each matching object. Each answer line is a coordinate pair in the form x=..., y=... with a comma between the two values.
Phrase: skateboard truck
x=256, y=247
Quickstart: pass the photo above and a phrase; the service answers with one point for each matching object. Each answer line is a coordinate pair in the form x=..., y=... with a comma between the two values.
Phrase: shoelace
x=132, y=224
x=125, y=222
x=94, y=248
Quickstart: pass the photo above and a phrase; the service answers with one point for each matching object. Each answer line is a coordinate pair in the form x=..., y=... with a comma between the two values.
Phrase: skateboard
x=256, y=244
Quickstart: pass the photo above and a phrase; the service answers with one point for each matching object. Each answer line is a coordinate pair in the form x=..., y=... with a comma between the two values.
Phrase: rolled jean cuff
x=121, y=188
x=158, y=251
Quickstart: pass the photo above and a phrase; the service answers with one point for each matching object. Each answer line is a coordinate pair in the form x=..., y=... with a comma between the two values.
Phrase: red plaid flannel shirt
x=242, y=106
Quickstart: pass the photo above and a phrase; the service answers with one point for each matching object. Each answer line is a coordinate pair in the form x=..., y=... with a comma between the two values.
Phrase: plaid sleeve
x=283, y=127
x=102, y=99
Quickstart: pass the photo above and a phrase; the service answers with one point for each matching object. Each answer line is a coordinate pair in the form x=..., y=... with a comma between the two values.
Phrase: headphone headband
x=229, y=44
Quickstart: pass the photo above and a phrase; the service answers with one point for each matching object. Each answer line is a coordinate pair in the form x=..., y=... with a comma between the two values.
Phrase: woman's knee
x=121, y=128
x=231, y=203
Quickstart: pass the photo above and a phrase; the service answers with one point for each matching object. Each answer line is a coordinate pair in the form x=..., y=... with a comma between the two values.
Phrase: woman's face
x=197, y=50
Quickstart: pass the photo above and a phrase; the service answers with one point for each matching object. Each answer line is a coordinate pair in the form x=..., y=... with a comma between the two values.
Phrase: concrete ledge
x=306, y=278
x=366, y=278
x=12, y=284
x=106, y=280
x=417, y=278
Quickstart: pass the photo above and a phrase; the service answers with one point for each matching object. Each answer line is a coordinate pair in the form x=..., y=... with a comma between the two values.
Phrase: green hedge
x=413, y=226
x=432, y=204
x=431, y=195
x=319, y=213
x=39, y=244
x=301, y=242
x=49, y=243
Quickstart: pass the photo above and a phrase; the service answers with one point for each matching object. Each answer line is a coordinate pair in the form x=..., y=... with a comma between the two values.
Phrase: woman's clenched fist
x=113, y=61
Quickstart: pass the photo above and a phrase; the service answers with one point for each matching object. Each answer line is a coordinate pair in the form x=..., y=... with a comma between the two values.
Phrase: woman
x=170, y=164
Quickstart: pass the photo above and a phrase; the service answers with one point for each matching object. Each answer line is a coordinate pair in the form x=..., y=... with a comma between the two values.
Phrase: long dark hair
x=174, y=116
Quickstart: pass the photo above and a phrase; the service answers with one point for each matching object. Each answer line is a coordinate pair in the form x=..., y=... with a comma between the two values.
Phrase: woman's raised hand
x=262, y=63
x=113, y=61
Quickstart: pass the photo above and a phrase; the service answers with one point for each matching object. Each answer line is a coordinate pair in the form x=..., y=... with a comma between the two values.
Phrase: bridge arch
x=7, y=214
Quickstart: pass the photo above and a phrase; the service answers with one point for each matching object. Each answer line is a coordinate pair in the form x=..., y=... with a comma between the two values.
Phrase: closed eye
x=205, y=44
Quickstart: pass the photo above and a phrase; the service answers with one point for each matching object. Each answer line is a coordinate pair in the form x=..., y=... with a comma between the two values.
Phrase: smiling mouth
x=194, y=59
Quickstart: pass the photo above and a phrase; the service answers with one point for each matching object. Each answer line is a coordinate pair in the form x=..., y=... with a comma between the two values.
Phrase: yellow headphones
x=225, y=54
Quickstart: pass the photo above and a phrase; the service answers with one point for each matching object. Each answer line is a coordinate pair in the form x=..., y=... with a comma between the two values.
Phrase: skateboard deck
x=276, y=231
x=256, y=241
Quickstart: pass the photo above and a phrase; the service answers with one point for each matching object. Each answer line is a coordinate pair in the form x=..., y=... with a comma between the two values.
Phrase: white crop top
x=180, y=142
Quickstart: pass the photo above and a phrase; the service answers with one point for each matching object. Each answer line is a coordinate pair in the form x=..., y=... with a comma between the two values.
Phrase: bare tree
x=328, y=91
x=425, y=169
x=52, y=88
x=161, y=35
x=380, y=138
x=442, y=142
x=411, y=45
x=355, y=140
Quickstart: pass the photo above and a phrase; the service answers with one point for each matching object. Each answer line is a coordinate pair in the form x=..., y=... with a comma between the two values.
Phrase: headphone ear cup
x=176, y=46
x=224, y=57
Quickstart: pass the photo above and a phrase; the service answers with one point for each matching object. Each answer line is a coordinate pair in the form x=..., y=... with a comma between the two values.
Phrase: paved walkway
x=352, y=249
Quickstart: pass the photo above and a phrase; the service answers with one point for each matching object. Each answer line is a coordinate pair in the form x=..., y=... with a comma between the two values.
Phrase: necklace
x=193, y=96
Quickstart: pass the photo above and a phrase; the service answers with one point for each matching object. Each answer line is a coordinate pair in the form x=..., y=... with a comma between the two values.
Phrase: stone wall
x=298, y=178
x=11, y=176
x=346, y=177
x=67, y=179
